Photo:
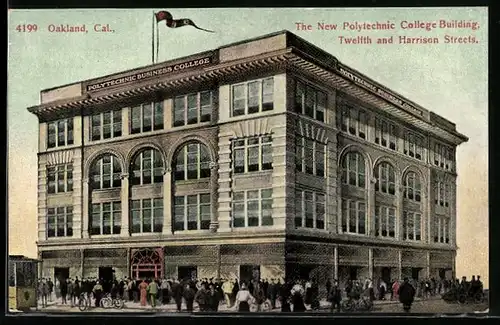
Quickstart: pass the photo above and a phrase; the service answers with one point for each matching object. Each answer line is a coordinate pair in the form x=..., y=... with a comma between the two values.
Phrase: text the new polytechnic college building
x=266, y=157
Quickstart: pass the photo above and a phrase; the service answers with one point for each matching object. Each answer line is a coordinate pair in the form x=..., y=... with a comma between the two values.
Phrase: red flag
x=174, y=23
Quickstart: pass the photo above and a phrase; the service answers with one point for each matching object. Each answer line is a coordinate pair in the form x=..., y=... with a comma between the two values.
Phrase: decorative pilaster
x=129, y=256
x=167, y=201
x=370, y=263
x=371, y=206
x=336, y=262
x=224, y=182
x=85, y=210
x=214, y=185
x=124, y=194
x=428, y=264
x=400, y=264
x=399, y=215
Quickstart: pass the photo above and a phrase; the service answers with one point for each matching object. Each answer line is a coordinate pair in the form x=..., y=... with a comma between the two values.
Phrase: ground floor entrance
x=147, y=263
x=249, y=273
x=187, y=272
x=61, y=274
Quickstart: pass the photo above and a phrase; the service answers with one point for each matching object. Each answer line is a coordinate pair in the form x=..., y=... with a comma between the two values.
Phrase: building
x=266, y=157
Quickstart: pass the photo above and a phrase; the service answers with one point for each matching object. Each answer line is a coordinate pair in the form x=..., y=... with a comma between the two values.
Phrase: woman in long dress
x=243, y=299
x=143, y=287
x=297, y=293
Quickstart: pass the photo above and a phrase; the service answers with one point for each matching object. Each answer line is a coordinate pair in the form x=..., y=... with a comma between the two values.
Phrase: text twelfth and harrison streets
x=416, y=25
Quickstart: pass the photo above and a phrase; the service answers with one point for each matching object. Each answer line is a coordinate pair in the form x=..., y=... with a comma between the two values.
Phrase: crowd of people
x=209, y=294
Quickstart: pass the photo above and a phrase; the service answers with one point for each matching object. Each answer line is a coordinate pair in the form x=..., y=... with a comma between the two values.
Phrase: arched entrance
x=147, y=263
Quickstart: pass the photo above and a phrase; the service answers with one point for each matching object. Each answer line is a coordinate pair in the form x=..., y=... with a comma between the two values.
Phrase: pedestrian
x=50, y=287
x=152, y=289
x=63, y=290
x=395, y=289
x=227, y=289
x=201, y=297
x=285, y=291
x=243, y=299
x=335, y=296
x=177, y=294
x=76, y=292
x=165, y=291
x=143, y=287
x=272, y=293
x=188, y=294
x=297, y=295
x=382, y=290
x=70, y=291
x=43, y=291
x=97, y=290
x=406, y=294
x=314, y=295
x=213, y=299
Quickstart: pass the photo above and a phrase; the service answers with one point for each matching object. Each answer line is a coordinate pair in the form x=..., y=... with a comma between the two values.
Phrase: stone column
x=167, y=201
x=428, y=264
x=336, y=262
x=129, y=273
x=218, y=260
x=214, y=186
x=85, y=210
x=124, y=194
x=82, y=262
x=400, y=264
x=370, y=263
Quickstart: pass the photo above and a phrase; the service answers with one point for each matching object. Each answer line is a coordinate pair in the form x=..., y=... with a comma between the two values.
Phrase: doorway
x=187, y=273
x=249, y=273
x=415, y=272
x=61, y=273
x=386, y=274
x=105, y=273
x=442, y=274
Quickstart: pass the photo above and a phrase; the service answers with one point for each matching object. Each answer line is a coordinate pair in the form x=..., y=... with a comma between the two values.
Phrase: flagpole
x=157, y=41
x=153, y=38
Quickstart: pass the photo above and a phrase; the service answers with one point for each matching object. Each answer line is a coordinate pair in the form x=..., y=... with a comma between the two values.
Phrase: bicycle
x=83, y=302
x=361, y=304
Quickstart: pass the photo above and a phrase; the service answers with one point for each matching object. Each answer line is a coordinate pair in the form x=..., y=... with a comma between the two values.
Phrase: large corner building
x=264, y=158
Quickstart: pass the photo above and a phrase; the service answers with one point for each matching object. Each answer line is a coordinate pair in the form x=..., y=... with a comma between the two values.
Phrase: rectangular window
x=310, y=101
x=106, y=125
x=192, y=212
x=412, y=229
x=385, y=134
x=413, y=145
x=309, y=209
x=105, y=218
x=60, y=222
x=252, y=154
x=147, y=117
x=385, y=222
x=354, y=121
x=253, y=97
x=60, y=133
x=60, y=178
x=252, y=208
x=309, y=156
x=146, y=215
x=353, y=216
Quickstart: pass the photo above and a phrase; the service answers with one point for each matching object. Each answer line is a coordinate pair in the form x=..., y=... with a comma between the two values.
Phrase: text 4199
x=27, y=28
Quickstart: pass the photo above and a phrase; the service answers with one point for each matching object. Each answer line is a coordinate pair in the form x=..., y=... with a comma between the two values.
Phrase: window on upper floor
x=147, y=168
x=106, y=172
x=354, y=121
x=146, y=117
x=192, y=162
x=146, y=215
x=353, y=169
x=252, y=154
x=60, y=222
x=252, y=208
x=106, y=218
x=310, y=101
x=60, y=133
x=60, y=178
x=412, y=226
x=442, y=194
x=309, y=156
x=385, y=134
x=413, y=145
x=443, y=156
x=441, y=229
x=353, y=216
x=192, y=108
x=192, y=212
x=386, y=178
x=412, y=187
x=309, y=209
x=252, y=97
x=385, y=221
x=106, y=125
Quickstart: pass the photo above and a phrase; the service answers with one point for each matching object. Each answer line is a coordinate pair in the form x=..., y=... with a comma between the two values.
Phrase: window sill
x=60, y=148
x=60, y=194
x=190, y=126
x=142, y=234
x=191, y=232
x=104, y=236
x=252, y=174
x=250, y=229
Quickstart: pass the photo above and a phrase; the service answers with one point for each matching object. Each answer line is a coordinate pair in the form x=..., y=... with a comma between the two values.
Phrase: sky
x=448, y=79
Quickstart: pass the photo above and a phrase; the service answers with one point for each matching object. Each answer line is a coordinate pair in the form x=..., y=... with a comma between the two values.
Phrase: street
x=431, y=306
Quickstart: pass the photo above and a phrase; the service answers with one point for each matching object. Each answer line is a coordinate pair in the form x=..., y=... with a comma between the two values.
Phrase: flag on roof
x=175, y=23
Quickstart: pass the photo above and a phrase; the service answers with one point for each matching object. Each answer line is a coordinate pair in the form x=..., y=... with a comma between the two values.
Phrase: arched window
x=386, y=178
x=192, y=162
x=105, y=172
x=353, y=169
x=412, y=187
x=147, y=168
